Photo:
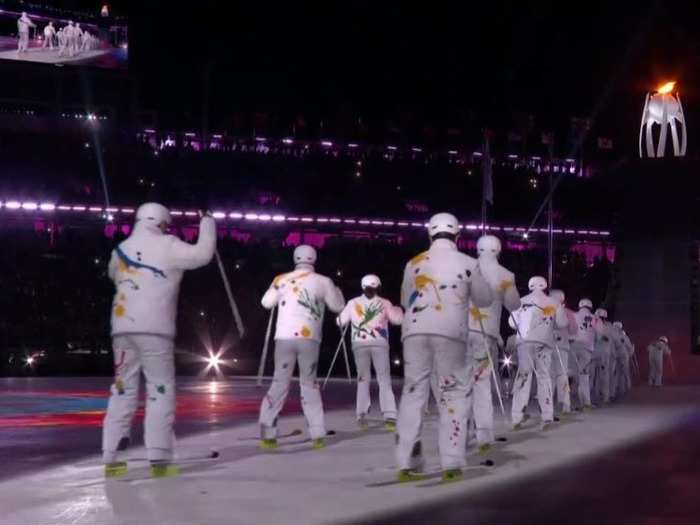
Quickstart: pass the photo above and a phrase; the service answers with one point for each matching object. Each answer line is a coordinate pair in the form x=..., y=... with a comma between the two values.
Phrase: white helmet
x=443, y=223
x=602, y=313
x=585, y=303
x=558, y=296
x=663, y=339
x=537, y=283
x=370, y=281
x=153, y=213
x=304, y=254
x=618, y=325
x=488, y=245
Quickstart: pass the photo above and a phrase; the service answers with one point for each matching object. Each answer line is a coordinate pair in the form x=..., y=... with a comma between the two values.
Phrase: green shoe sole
x=318, y=443
x=452, y=475
x=164, y=471
x=485, y=449
x=407, y=475
x=116, y=470
x=268, y=444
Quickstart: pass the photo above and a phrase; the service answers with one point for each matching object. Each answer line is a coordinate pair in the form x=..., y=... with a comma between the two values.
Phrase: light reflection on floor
x=57, y=419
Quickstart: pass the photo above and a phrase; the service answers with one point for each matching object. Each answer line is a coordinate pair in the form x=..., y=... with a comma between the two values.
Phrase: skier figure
x=535, y=322
x=23, y=25
x=562, y=360
x=61, y=37
x=603, y=353
x=485, y=336
x=77, y=38
x=300, y=297
x=147, y=269
x=369, y=316
x=582, y=346
x=49, y=34
x=622, y=357
x=69, y=34
x=657, y=350
x=437, y=287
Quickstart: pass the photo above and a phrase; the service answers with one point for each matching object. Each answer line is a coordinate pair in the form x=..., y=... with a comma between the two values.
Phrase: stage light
x=397, y=362
x=214, y=361
x=30, y=206
x=507, y=361
x=526, y=236
x=13, y=205
x=30, y=360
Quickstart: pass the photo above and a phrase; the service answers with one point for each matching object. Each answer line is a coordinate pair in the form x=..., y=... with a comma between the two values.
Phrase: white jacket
x=302, y=297
x=369, y=320
x=505, y=294
x=537, y=318
x=588, y=327
x=564, y=336
x=658, y=349
x=24, y=23
x=436, y=290
x=604, y=341
x=147, y=269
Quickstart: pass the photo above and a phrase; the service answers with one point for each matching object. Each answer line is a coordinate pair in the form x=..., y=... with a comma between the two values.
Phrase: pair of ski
x=428, y=480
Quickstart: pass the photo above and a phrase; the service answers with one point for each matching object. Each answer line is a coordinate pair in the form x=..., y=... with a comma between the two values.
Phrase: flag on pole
x=487, y=170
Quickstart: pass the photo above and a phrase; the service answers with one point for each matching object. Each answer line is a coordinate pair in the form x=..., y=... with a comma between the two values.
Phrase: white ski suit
x=23, y=25
x=301, y=297
x=437, y=287
x=582, y=347
x=484, y=338
x=657, y=350
x=369, y=320
x=535, y=322
x=147, y=269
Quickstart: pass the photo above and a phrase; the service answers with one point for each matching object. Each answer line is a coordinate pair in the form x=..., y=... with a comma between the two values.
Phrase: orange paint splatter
x=419, y=258
x=477, y=314
x=505, y=284
x=305, y=331
x=119, y=310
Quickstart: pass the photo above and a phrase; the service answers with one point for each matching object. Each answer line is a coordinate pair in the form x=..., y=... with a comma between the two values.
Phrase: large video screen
x=48, y=33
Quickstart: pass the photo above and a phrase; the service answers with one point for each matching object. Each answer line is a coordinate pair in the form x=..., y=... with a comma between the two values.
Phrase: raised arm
x=344, y=317
x=187, y=256
x=333, y=297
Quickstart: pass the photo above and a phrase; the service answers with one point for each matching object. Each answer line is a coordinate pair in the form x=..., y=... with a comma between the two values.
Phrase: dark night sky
x=434, y=60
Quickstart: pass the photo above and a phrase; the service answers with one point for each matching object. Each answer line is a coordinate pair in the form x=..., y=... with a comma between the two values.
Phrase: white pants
x=537, y=358
x=287, y=353
x=422, y=354
x=602, y=378
x=625, y=375
x=23, y=43
x=365, y=356
x=153, y=355
x=560, y=378
x=612, y=381
x=656, y=368
x=480, y=366
x=584, y=357
x=48, y=42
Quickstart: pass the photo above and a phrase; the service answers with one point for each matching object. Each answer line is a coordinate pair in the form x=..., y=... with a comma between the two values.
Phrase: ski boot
x=484, y=449
x=362, y=422
x=268, y=444
x=452, y=475
x=318, y=443
x=406, y=475
x=390, y=425
x=116, y=469
x=164, y=469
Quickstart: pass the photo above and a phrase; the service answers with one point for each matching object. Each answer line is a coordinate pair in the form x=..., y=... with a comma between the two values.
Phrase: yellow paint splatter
x=419, y=258
x=451, y=411
x=305, y=331
x=549, y=311
x=505, y=284
x=122, y=267
x=359, y=310
x=477, y=314
x=119, y=310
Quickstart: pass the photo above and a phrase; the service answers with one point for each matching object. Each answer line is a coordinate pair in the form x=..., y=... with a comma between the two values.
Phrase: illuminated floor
x=618, y=464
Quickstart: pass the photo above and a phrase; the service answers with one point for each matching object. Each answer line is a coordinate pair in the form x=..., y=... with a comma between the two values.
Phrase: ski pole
x=229, y=293
x=335, y=356
x=493, y=368
x=347, y=360
x=263, y=357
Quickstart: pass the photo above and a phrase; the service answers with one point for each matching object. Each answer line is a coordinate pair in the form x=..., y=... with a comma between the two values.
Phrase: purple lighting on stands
x=32, y=206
